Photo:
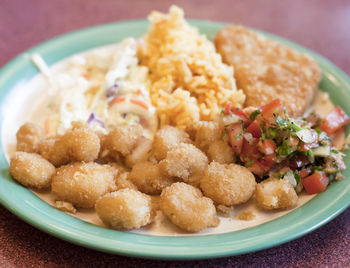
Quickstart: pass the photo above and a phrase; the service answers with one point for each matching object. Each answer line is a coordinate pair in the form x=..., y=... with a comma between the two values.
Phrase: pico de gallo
x=271, y=144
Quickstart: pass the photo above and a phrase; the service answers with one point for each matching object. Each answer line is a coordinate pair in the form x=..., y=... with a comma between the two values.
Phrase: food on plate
x=28, y=138
x=228, y=185
x=157, y=126
x=185, y=162
x=31, y=169
x=188, y=80
x=168, y=137
x=148, y=178
x=125, y=209
x=187, y=208
x=275, y=194
x=80, y=143
x=82, y=183
x=266, y=69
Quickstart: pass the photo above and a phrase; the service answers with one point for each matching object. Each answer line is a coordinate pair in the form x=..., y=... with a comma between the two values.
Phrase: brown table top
x=322, y=26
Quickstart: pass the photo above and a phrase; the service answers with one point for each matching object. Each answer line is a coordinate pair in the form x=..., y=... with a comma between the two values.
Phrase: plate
x=23, y=203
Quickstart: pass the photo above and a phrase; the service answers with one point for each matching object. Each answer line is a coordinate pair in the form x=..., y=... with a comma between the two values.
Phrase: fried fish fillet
x=266, y=69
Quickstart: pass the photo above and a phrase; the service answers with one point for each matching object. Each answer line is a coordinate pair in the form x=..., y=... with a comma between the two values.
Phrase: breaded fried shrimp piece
x=148, y=178
x=140, y=153
x=122, y=181
x=31, y=170
x=186, y=162
x=187, y=208
x=123, y=139
x=266, y=69
x=46, y=147
x=82, y=183
x=167, y=138
x=206, y=134
x=125, y=209
x=275, y=194
x=29, y=136
x=80, y=143
x=219, y=151
x=228, y=184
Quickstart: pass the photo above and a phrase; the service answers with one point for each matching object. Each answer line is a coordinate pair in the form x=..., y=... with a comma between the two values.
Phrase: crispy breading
x=266, y=69
x=148, y=178
x=207, y=132
x=125, y=209
x=185, y=162
x=31, y=170
x=167, y=138
x=275, y=194
x=187, y=208
x=28, y=137
x=228, y=184
x=82, y=183
x=80, y=143
x=219, y=151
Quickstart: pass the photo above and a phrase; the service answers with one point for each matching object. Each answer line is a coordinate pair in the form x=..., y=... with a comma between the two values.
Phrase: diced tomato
x=249, y=150
x=304, y=173
x=267, y=147
x=258, y=168
x=236, y=137
x=271, y=109
x=307, y=146
x=229, y=109
x=334, y=121
x=254, y=129
x=315, y=183
x=117, y=99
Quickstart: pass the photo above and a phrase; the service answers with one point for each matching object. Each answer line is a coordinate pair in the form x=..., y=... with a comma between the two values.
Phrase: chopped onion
x=290, y=177
x=94, y=118
x=112, y=91
x=249, y=137
x=230, y=119
x=306, y=135
x=322, y=151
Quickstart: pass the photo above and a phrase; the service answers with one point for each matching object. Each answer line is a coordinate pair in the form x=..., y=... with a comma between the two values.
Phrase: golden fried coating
x=80, y=143
x=186, y=162
x=148, y=178
x=82, y=183
x=219, y=151
x=125, y=209
x=167, y=138
x=65, y=206
x=46, y=147
x=29, y=136
x=31, y=170
x=275, y=194
x=123, y=139
x=140, y=153
x=207, y=133
x=187, y=208
x=121, y=177
x=266, y=69
x=228, y=184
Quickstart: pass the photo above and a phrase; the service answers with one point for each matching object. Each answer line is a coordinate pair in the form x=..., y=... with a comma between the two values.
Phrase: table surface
x=322, y=26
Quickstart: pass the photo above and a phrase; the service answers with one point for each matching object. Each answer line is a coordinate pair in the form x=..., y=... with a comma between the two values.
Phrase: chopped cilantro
x=249, y=163
x=272, y=132
x=284, y=149
x=254, y=114
x=239, y=134
x=318, y=130
x=335, y=151
x=297, y=177
x=295, y=127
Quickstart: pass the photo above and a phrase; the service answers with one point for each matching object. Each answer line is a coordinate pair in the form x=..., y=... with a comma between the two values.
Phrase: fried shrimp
x=275, y=194
x=148, y=179
x=80, y=143
x=167, y=138
x=31, y=170
x=187, y=208
x=207, y=133
x=125, y=209
x=123, y=139
x=228, y=184
x=185, y=162
x=82, y=183
x=140, y=153
x=29, y=136
x=219, y=151
x=265, y=69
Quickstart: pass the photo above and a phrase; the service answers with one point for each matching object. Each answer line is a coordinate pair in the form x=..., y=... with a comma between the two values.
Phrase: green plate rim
x=39, y=214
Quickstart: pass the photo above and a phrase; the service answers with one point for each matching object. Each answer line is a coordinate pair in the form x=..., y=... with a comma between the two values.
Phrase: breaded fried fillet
x=267, y=70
